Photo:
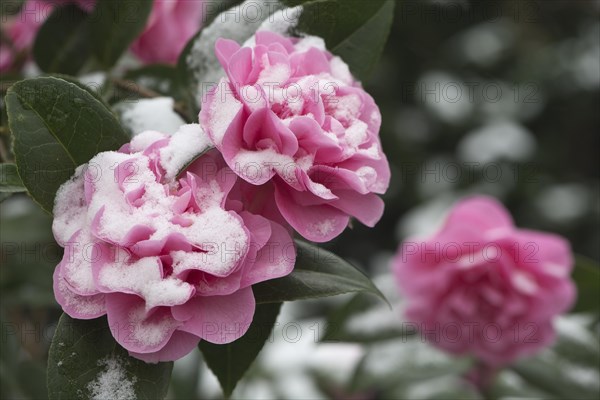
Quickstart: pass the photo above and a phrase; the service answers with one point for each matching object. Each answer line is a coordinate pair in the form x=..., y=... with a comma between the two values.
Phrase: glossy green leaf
x=10, y=181
x=586, y=275
x=91, y=87
x=62, y=44
x=57, y=126
x=115, y=24
x=317, y=273
x=82, y=353
x=355, y=30
x=229, y=362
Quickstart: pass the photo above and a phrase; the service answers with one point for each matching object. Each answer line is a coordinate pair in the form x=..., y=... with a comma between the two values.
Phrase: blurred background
x=493, y=97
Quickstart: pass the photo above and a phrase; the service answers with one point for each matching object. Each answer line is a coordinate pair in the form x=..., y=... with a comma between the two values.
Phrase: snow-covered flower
x=165, y=254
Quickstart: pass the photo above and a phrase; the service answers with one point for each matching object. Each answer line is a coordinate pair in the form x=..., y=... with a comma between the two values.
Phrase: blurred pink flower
x=170, y=25
x=483, y=287
x=291, y=117
x=167, y=259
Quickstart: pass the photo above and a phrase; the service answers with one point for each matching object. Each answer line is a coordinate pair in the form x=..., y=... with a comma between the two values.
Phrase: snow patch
x=69, y=207
x=223, y=109
x=150, y=114
x=112, y=383
x=188, y=142
x=281, y=21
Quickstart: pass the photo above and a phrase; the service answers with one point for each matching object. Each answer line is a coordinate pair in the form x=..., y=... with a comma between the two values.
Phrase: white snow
x=144, y=277
x=189, y=141
x=93, y=80
x=88, y=305
x=69, y=207
x=223, y=109
x=150, y=114
x=346, y=109
x=281, y=21
x=307, y=42
x=274, y=74
x=112, y=383
x=149, y=332
x=356, y=134
x=78, y=268
x=368, y=175
x=144, y=139
x=324, y=227
x=340, y=70
x=223, y=238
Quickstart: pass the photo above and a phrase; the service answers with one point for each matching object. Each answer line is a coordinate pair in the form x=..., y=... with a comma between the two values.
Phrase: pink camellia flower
x=164, y=255
x=483, y=287
x=291, y=117
x=170, y=25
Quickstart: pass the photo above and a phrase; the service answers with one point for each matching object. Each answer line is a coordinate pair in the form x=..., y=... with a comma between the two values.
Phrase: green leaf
x=91, y=90
x=115, y=24
x=317, y=273
x=10, y=182
x=83, y=350
x=355, y=30
x=229, y=362
x=62, y=43
x=586, y=275
x=57, y=126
